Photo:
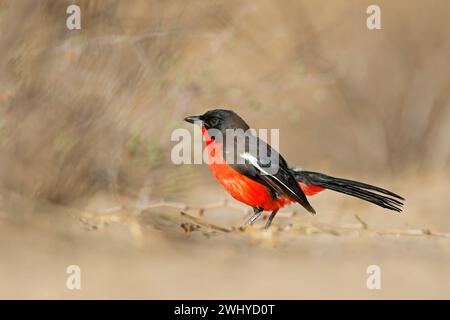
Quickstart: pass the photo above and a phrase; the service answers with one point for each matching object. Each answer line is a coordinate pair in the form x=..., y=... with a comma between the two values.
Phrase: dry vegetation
x=85, y=122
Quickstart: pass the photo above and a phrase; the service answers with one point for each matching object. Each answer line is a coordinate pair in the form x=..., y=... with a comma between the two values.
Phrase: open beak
x=193, y=119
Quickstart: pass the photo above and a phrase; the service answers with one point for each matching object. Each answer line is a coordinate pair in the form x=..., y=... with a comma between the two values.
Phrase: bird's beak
x=193, y=119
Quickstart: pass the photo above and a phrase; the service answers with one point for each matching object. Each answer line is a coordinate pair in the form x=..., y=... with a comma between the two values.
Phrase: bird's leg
x=269, y=220
x=257, y=212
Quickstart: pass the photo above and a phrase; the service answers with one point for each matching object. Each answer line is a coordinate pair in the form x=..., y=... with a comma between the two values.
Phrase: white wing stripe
x=254, y=162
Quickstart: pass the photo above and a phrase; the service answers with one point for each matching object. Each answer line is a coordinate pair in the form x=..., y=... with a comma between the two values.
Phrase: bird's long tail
x=381, y=197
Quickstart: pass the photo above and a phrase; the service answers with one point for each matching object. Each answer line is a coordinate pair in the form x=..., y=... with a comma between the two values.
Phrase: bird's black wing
x=263, y=164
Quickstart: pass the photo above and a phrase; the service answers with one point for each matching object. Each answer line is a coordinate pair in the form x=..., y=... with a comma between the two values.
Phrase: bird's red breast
x=240, y=186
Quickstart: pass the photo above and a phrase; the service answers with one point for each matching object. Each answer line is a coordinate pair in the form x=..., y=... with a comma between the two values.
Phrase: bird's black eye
x=214, y=122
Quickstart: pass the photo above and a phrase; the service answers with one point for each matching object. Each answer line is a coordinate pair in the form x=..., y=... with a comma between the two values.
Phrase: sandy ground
x=149, y=255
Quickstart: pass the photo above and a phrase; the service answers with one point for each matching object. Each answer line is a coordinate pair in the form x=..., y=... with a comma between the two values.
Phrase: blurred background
x=85, y=123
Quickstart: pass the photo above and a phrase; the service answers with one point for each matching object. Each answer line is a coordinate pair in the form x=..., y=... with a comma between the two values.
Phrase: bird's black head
x=219, y=119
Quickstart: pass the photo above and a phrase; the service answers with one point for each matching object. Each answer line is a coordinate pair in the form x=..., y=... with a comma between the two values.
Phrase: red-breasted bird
x=247, y=181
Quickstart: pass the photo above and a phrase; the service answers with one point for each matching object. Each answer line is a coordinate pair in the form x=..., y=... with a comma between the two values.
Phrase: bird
x=247, y=179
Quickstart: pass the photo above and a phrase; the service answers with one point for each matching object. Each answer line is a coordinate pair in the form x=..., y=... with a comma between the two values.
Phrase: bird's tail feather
x=379, y=196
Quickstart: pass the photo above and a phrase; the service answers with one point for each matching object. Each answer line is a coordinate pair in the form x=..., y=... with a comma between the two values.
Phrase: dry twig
x=310, y=228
